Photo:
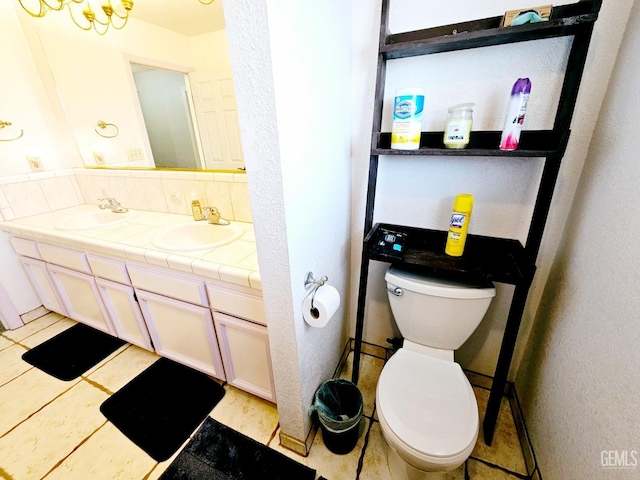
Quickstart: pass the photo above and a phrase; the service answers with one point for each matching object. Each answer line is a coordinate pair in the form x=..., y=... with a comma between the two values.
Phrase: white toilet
x=425, y=404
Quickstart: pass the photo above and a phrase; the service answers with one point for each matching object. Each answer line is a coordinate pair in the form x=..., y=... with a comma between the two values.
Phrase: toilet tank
x=436, y=312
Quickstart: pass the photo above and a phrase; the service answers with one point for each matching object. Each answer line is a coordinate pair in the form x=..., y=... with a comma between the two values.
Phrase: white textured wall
x=291, y=69
x=419, y=191
x=579, y=384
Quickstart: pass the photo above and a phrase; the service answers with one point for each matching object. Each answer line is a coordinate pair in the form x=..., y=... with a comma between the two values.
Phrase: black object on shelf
x=498, y=259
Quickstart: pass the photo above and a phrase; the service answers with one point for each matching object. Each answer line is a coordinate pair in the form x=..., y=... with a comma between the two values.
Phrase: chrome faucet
x=114, y=205
x=212, y=215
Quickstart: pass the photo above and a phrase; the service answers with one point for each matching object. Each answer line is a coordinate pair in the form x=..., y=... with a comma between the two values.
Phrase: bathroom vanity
x=202, y=308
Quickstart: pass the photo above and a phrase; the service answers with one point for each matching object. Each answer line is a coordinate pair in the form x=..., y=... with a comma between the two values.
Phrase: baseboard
x=523, y=434
x=301, y=447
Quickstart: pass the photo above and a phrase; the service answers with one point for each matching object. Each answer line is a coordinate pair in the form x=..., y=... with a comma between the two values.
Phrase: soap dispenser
x=196, y=208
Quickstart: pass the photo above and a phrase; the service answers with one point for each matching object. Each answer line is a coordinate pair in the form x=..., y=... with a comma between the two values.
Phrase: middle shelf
x=497, y=259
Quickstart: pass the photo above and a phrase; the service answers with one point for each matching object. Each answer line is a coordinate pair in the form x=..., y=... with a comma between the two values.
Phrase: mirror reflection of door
x=215, y=106
x=165, y=103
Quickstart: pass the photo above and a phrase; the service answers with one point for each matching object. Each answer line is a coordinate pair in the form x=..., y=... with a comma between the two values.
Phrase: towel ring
x=8, y=124
x=102, y=125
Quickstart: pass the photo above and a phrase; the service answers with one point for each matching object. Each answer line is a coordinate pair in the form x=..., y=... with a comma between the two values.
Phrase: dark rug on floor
x=162, y=406
x=72, y=352
x=217, y=452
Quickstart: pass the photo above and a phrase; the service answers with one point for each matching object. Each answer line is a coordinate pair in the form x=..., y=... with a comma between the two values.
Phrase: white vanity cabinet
x=183, y=332
x=245, y=353
x=241, y=327
x=43, y=284
x=123, y=309
x=81, y=298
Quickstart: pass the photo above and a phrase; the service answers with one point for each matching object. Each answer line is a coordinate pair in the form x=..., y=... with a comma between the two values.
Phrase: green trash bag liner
x=338, y=404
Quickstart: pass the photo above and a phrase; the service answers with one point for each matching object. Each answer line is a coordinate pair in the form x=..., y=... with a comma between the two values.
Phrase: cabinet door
x=43, y=285
x=245, y=353
x=124, y=313
x=81, y=298
x=182, y=332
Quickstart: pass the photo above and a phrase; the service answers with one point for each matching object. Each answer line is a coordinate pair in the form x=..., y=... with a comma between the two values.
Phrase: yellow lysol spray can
x=459, y=225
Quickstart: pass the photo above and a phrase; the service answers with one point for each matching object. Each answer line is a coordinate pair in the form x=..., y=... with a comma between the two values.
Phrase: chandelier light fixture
x=99, y=16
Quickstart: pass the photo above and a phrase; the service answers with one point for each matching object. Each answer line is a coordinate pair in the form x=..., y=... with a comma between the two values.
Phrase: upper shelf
x=533, y=143
x=565, y=20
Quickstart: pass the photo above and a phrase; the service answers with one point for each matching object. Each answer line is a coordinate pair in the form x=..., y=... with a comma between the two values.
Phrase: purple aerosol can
x=515, y=114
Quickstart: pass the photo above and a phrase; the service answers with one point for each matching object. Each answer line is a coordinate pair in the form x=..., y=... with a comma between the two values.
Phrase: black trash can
x=339, y=406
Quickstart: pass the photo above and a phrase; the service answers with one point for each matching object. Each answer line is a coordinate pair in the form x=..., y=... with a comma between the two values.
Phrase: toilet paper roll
x=325, y=304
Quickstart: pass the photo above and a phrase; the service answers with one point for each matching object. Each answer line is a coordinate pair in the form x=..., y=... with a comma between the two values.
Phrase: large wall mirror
x=158, y=93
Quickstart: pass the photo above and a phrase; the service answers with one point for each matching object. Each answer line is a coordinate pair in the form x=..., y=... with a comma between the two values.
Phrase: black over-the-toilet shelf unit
x=497, y=259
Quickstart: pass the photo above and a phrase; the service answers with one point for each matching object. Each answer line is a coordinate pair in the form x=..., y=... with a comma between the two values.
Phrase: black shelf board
x=497, y=259
x=565, y=20
x=533, y=143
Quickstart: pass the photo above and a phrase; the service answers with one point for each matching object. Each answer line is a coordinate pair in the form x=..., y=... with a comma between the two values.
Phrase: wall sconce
x=98, y=153
x=34, y=157
x=97, y=18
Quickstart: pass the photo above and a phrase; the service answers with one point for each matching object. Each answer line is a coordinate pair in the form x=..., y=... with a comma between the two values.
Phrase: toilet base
x=401, y=470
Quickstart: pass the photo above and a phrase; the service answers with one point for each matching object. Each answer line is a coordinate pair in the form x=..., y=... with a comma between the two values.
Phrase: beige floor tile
x=375, y=466
x=505, y=450
x=5, y=343
x=106, y=360
x=480, y=471
x=106, y=455
x=33, y=327
x=37, y=445
x=326, y=463
x=370, y=368
x=246, y=413
x=26, y=394
x=122, y=368
x=12, y=363
x=48, y=332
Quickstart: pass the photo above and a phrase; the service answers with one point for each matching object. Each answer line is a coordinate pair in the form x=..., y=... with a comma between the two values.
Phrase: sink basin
x=188, y=237
x=98, y=219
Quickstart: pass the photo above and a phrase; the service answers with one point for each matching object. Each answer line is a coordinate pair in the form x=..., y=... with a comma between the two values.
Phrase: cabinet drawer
x=25, y=247
x=64, y=257
x=169, y=284
x=110, y=269
x=236, y=303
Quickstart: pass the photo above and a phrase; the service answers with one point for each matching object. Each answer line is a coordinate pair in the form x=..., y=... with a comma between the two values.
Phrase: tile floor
x=50, y=429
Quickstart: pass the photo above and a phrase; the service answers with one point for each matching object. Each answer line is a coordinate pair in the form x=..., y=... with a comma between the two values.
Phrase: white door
x=182, y=332
x=217, y=114
x=245, y=354
x=81, y=298
x=124, y=312
x=43, y=285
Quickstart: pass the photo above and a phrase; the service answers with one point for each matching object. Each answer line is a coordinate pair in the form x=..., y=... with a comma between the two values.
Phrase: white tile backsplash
x=157, y=191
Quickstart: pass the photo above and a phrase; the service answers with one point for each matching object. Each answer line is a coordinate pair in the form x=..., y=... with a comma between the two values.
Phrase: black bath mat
x=72, y=352
x=217, y=452
x=162, y=406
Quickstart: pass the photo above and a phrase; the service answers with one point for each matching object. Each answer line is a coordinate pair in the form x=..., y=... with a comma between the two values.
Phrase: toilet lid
x=428, y=403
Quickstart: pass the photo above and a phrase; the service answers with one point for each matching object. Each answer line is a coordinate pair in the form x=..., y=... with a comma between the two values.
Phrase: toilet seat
x=428, y=407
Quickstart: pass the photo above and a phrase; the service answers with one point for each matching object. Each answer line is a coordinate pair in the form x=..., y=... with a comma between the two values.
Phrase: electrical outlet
x=36, y=164
x=98, y=157
x=135, y=154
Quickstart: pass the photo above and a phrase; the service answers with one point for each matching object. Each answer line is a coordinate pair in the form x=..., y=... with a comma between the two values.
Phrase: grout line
x=273, y=434
x=363, y=451
x=16, y=377
x=502, y=469
x=84, y=440
x=38, y=410
x=95, y=384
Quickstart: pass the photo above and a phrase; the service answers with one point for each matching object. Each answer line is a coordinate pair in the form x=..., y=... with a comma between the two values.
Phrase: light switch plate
x=135, y=154
x=36, y=164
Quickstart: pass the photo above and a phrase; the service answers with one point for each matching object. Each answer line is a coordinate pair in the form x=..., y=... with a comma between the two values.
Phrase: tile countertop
x=235, y=263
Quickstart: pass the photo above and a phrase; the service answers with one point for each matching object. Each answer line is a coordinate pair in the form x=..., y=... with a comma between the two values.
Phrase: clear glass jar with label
x=457, y=130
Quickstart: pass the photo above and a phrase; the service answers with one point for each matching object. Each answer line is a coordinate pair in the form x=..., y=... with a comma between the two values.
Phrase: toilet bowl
x=427, y=409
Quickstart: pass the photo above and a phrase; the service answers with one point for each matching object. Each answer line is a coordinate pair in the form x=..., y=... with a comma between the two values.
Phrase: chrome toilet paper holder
x=312, y=283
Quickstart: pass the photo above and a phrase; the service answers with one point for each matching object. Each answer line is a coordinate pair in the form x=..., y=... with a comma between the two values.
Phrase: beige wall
x=579, y=384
